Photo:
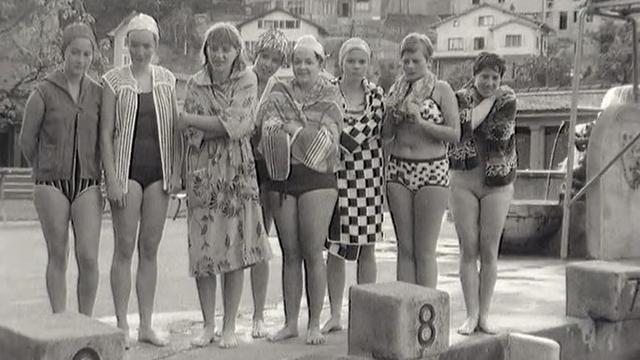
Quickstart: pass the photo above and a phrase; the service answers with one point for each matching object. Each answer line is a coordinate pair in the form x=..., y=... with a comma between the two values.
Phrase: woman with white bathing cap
x=301, y=120
x=139, y=153
x=357, y=220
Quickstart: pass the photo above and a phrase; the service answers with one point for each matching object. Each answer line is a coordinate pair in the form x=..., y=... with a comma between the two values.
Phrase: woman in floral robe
x=226, y=231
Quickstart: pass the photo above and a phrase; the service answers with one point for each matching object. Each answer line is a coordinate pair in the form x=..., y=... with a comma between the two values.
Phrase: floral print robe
x=225, y=226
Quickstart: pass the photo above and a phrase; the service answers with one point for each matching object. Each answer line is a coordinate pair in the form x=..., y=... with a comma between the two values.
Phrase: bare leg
x=493, y=213
x=286, y=219
x=154, y=214
x=400, y=201
x=428, y=208
x=335, y=285
x=125, y=228
x=53, y=211
x=315, y=211
x=207, y=295
x=86, y=215
x=260, y=275
x=466, y=212
x=367, y=269
x=231, y=300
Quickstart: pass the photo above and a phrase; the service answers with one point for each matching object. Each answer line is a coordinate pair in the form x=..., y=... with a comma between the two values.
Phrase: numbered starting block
x=397, y=321
x=65, y=336
x=603, y=290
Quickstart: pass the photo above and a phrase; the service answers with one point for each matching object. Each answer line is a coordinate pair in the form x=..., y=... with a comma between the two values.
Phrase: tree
x=460, y=75
x=614, y=44
x=551, y=69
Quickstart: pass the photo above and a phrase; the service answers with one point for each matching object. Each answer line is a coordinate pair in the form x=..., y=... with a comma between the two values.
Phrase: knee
x=313, y=257
x=405, y=250
x=489, y=255
x=59, y=259
x=468, y=255
x=87, y=263
x=124, y=249
x=425, y=257
x=291, y=258
x=148, y=252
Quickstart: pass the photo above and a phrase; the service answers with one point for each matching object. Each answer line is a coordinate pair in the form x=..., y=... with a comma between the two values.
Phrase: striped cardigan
x=122, y=82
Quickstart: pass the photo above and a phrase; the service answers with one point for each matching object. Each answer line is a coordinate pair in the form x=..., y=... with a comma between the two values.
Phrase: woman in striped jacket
x=137, y=137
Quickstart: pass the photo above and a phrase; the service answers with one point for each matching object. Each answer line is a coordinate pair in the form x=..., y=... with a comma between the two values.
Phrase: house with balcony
x=486, y=27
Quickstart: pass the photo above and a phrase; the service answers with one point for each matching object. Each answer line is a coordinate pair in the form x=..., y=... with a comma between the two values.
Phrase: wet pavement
x=530, y=293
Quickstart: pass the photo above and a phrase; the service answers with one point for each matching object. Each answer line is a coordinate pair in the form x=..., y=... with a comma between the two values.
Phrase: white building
x=120, y=53
x=293, y=26
x=487, y=28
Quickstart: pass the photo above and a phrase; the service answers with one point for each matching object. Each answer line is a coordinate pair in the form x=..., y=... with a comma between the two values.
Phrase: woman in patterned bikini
x=357, y=219
x=483, y=170
x=139, y=109
x=422, y=117
x=301, y=121
x=59, y=138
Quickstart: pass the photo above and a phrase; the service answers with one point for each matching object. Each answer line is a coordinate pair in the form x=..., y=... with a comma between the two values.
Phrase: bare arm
x=480, y=112
x=107, y=127
x=31, y=122
x=450, y=130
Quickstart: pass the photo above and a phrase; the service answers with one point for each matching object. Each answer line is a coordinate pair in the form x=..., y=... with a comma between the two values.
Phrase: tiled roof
x=560, y=100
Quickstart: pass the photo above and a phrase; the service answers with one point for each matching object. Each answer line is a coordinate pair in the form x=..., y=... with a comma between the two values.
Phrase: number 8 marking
x=426, y=331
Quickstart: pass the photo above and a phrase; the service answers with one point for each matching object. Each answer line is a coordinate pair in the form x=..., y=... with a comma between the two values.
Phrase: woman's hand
x=116, y=195
x=182, y=121
x=175, y=183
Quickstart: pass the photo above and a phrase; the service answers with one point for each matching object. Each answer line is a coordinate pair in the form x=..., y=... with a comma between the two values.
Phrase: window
x=513, y=41
x=500, y=1
x=456, y=23
x=344, y=9
x=259, y=24
x=292, y=24
x=296, y=7
x=563, y=21
x=456, y=44
x=549, y=4
x=486, y=20
x=126, y=60
x=363, y=5
x=478, y=43
x=575, y=16
x=475, y=2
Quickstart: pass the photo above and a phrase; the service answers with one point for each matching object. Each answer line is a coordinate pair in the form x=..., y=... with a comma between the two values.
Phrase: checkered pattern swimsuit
x=358, y=215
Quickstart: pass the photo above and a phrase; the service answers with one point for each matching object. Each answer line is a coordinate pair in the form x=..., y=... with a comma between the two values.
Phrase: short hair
x=221, y=34
x=488, y=60
x=416, y=42
x=78, y=30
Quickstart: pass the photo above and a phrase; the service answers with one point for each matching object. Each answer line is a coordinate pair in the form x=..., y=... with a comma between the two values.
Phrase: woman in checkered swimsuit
x=421, y=118
x=357, y=218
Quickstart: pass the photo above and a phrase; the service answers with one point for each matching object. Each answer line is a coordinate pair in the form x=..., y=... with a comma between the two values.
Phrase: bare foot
x=206, y=337
x=150, y=336
x=127, y=339
x=228, y=340
x=483, y=325
x=258, y=331
x=314, y=337
x=286, y=332
x=333, y=324
x=469, y=326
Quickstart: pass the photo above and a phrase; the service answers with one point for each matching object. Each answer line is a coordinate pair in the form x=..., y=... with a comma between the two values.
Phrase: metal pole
x=634, y=37
x=566, y=206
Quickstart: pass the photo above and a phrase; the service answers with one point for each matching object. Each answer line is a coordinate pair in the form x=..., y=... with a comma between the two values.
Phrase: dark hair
x=416, y=42
x=487, y=60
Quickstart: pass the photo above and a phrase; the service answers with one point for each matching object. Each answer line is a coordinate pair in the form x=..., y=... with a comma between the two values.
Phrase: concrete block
x=59, y=336
x=397, y=321
x=529, y=347
x=603, y=290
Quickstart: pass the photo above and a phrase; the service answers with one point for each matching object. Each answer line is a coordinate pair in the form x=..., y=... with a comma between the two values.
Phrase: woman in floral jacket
x=226, y=233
